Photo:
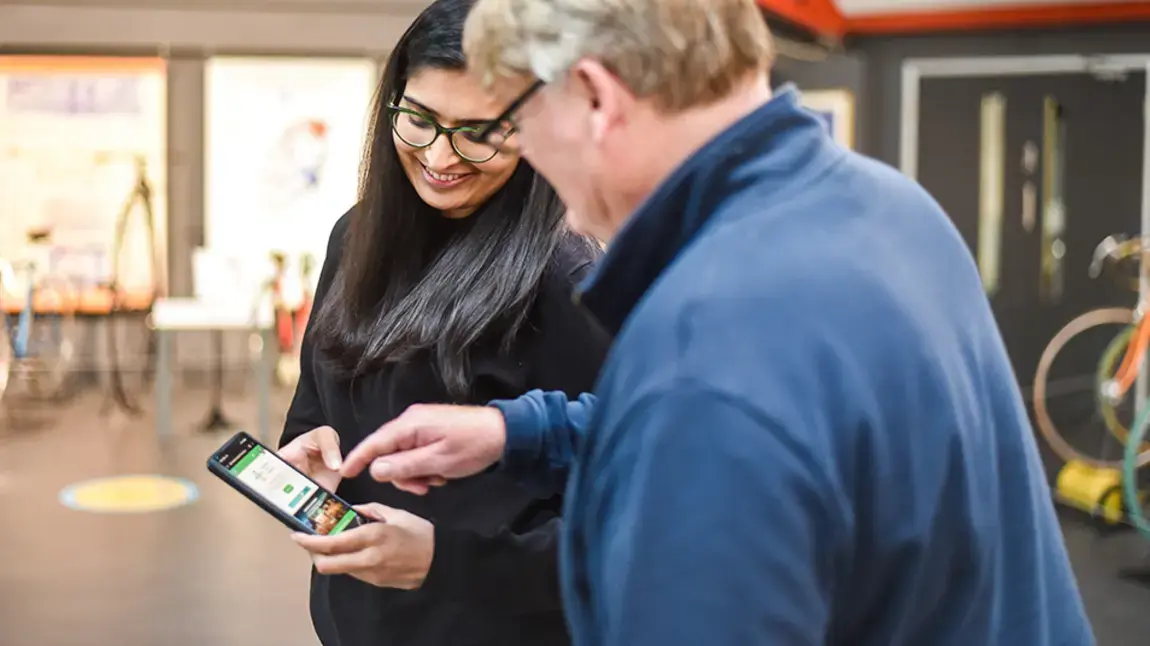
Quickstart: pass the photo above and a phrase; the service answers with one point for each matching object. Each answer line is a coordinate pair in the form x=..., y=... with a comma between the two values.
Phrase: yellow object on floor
x=1094, y=490
x=129, y=494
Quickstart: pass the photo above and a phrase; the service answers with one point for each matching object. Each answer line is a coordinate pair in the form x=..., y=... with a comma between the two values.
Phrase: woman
x=450, y=281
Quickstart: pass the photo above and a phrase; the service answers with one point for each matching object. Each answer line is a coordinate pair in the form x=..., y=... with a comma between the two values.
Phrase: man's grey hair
x=680, y=53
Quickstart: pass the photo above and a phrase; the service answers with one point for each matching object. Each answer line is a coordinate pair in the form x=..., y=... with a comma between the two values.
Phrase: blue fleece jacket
x=808, y=432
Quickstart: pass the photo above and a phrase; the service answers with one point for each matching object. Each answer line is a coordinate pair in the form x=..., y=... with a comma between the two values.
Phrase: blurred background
x=170, y=170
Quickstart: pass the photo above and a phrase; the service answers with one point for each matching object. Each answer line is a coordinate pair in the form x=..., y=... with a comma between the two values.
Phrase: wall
x=839, y=71
x=884, y=58
x=286, y=26
x=871, y=68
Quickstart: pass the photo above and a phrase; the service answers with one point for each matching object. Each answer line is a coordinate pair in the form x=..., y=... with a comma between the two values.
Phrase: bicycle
x=39, y=327
x=1116, y=368
x=122, y=390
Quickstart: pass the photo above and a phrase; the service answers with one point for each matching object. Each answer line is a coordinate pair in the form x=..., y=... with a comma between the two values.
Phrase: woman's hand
x=395, y=552
x=317, y=454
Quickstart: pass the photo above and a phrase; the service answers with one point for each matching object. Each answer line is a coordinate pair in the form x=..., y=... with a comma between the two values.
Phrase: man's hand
x=395, y=552
x=317, y=454
x=430, y=444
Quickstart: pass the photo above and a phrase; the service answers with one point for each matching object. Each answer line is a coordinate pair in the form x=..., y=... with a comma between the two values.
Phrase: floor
x=219, y=573
x=215, y=573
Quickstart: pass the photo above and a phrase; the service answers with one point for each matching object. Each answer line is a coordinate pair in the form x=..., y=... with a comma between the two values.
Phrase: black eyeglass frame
x=476, y=132
x=486, y=132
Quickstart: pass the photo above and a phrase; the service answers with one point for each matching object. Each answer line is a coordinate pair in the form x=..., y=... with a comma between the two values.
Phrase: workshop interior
x=170, y=172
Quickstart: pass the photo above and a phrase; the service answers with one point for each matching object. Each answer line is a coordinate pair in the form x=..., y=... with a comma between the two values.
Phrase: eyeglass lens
x=419, y=131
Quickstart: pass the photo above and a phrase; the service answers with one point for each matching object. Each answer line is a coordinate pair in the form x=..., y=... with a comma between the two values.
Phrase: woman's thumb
x=328, y=441
x=373, y=510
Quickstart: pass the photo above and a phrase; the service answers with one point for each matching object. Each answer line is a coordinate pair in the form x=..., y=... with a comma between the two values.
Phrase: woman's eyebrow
x=421, y=106
x=432, y=113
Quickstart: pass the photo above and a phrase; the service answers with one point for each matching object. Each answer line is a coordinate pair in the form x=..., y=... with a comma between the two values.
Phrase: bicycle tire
x=119, y=389
x=1046, y=426
x=1130, y=465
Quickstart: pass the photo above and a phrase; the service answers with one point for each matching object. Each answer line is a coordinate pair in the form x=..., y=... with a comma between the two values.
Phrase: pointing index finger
x=385, y=441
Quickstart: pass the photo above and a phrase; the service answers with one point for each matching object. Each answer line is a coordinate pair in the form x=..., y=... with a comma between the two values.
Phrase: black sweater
x=494, y=577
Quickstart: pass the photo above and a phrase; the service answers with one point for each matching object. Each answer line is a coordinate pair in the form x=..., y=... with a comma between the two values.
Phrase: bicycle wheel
x=54, y=339
x=1131, y=461
x=1067, y=384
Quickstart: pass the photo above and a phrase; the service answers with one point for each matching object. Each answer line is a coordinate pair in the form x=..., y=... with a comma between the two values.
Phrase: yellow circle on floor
x=129, y=494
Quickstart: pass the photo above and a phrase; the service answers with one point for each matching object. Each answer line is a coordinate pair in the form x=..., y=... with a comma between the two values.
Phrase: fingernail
x=333, y=464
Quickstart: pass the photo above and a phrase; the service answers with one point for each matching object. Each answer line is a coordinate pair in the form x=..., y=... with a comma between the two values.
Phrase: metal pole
x=1142, y=385
x=909, y=112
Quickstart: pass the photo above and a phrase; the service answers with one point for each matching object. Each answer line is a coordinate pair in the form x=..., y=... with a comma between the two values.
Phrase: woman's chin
x=451, y=209
x=458, y=213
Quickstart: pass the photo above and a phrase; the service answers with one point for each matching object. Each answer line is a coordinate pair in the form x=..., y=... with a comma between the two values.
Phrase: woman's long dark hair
x=398, y=292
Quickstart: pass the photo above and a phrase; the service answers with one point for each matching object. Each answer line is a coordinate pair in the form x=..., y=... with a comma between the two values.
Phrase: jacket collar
x=767, y=149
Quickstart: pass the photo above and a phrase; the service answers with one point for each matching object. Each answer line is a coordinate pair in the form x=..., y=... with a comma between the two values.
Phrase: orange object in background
x=93, y=302
x=821, y=17
x=1000, y=16
x=834, y=19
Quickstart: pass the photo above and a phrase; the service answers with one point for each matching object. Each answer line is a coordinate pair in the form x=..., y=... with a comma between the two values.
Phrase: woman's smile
x=443, y=181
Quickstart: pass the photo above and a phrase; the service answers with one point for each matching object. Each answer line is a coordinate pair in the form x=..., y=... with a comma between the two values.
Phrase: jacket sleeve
x=719, y=527
x=306, y=410
x=544, y=432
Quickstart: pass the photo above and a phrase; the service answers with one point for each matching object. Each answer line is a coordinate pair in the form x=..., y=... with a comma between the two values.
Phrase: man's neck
x=692, y=129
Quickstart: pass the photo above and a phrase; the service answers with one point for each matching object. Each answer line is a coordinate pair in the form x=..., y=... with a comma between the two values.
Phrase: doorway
x=1101, y=119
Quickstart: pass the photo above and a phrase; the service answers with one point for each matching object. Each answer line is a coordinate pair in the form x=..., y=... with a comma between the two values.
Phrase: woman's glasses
x=418, y=130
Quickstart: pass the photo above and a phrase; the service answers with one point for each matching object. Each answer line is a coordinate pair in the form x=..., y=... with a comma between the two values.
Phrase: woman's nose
x=440, y=155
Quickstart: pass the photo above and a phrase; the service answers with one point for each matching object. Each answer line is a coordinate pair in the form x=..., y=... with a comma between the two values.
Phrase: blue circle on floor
x=129, y=494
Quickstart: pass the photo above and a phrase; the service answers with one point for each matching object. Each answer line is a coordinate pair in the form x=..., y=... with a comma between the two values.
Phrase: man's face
x=561, y=133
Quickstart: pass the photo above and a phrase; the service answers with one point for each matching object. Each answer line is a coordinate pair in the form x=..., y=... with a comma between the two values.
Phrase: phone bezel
x=222, y=472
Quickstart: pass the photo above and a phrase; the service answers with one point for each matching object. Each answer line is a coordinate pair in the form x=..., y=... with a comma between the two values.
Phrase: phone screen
x=270, y=478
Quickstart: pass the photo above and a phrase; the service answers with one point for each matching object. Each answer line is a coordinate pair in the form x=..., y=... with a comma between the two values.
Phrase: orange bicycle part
x=1127, y=373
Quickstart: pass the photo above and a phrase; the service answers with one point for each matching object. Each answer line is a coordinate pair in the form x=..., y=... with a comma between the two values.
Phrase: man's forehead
x=507, y=88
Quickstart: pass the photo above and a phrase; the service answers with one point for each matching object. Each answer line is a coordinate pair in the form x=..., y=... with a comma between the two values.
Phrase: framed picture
x=837, y=109
x=283, y=142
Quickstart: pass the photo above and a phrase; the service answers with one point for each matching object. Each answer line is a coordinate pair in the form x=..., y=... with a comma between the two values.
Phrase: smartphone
x=280, y=489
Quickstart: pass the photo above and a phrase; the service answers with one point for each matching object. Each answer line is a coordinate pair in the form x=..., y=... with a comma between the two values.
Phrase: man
x=808, y=432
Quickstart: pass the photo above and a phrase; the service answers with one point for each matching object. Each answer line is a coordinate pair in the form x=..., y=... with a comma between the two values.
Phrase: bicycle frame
x=1127, y=374
x=22, y=331
x=1110, y=252
x=21, y=335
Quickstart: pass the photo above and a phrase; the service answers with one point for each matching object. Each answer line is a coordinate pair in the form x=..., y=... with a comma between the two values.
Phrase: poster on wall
x=79, y=138
x=836, y=108
x=283, y=143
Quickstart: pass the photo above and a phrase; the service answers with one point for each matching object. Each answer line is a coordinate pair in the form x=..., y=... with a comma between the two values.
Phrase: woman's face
x=446, y=181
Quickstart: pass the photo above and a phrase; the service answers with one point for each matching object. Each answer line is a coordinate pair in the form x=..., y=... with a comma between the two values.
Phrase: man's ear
x=606, y=96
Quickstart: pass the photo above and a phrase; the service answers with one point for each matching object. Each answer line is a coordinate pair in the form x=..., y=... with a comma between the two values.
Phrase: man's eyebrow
x=433, y=113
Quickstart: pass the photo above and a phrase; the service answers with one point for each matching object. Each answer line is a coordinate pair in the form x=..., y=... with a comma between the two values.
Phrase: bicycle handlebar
x=1103, y=252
